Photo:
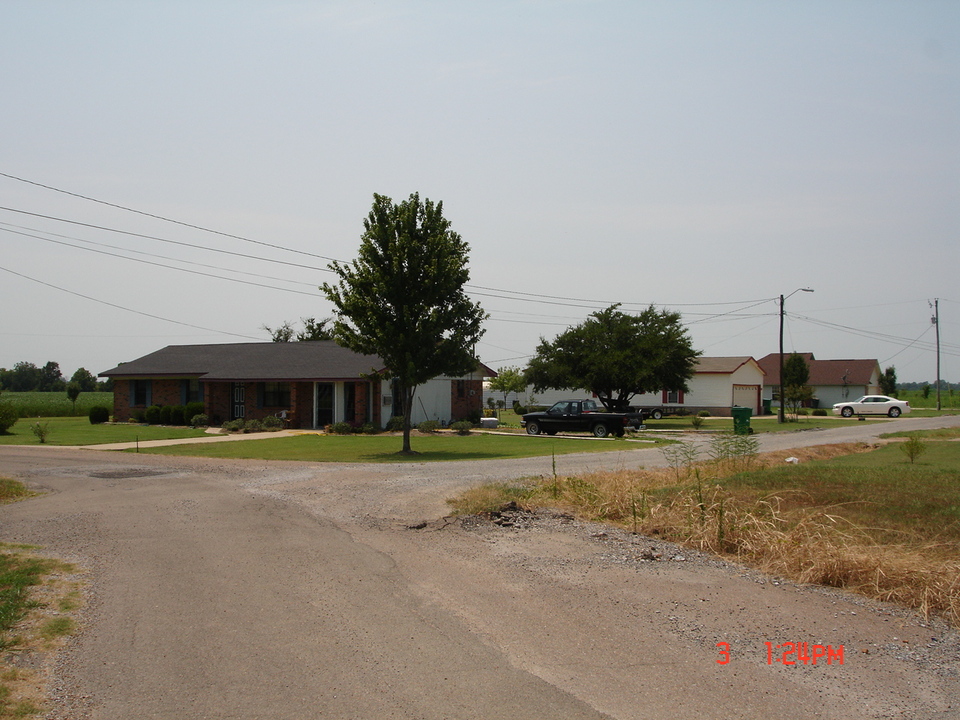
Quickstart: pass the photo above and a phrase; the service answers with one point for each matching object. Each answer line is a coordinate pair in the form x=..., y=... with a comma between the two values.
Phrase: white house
x=718, y=384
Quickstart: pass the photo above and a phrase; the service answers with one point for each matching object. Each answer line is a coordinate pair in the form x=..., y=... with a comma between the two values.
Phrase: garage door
x=747, y=396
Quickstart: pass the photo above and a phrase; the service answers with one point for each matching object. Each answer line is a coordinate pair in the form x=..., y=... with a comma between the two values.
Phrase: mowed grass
x=54, y=404
x=79, y=431
x=761, y=423
x=385, y=448
x=855, y=517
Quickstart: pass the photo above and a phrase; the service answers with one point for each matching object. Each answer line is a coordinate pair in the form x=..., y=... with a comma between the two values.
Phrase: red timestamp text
x=792, y=653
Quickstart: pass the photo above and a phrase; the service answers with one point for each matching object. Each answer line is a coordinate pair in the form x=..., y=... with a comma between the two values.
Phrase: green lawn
x=684, y=423
x=79, y=431
x=882, y=491
x=385, y=448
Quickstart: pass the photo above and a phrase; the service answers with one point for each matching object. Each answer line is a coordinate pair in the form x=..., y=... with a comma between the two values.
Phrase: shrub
x=474, y=417
x=820, y=412
x=272, y=422
x=8, y=417
x=191, y=409
x=99, y=414
x=152, y=415
x=395, y=424
x=199, y=420
x=369, y=429
x=462, y=427
x=341, y=428
x=177, y=416
x=697, y=422
x=519, y=409
x=428, y=426
x=139, y=416
x=253, y=426
x=233, y=425
x=913, y=447
x=41, y=430
x=165, y=414
x=703, y=413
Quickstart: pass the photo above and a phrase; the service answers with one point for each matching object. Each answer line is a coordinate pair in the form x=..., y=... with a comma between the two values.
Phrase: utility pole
x=781, y=418
x=936, y=322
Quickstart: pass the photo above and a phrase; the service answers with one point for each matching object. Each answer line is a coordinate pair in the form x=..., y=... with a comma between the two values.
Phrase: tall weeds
x=687, y=503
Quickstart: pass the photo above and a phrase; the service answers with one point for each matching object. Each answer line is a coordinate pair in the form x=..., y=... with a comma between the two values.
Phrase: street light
x=780, y=415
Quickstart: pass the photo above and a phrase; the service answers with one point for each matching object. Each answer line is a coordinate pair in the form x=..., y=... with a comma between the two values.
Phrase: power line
x=165, y=219
x=169, y=267
x=165, y=240
x=126, y=309
x=137, y=252
x=507, y=294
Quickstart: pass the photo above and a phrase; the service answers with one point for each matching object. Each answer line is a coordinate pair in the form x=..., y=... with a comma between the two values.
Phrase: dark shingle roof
x=316, y=360
x=823, y=372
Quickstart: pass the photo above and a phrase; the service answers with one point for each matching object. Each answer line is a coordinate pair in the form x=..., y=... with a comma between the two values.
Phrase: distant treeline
x=27, y=377
x=944, y=385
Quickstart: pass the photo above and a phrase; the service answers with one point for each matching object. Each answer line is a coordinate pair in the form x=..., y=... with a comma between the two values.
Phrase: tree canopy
x=402, y=298
x=508, y=380
x=617, y=355
x=796, y=374
x=888, y=381
x=313, y=329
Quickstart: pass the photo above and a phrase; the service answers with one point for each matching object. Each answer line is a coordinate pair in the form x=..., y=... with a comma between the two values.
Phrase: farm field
x=55, y=404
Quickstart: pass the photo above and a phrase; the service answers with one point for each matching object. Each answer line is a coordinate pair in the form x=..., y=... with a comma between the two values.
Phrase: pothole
x=127, y=474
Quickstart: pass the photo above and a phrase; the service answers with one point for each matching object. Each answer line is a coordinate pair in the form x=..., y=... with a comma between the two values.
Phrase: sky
x=183, y=172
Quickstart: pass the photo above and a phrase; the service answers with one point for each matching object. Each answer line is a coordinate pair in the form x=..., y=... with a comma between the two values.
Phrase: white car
x=872, y=405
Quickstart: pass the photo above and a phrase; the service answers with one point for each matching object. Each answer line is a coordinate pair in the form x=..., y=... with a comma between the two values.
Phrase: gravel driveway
x=250, y=589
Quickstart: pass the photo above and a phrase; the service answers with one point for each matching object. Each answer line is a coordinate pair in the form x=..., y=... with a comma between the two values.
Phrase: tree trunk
x=407, y=395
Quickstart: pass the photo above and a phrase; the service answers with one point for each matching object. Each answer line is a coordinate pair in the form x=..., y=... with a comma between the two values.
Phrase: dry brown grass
x=779, y=533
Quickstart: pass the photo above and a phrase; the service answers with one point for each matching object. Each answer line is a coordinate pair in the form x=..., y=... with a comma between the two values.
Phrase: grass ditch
x=39, y=598
x=858, y=517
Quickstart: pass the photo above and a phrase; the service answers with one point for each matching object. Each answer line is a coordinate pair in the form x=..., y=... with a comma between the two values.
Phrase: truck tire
x=601, y=430
x=657, y=414
x=533, y=428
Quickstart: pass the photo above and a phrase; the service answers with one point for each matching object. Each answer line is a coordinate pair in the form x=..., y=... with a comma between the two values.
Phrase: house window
x=194, y=391
x=140, y=392
x=276, y=394
x=673, y=397
x=191, y=391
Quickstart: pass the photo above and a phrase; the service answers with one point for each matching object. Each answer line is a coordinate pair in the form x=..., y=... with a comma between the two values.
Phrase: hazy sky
x=701, y=156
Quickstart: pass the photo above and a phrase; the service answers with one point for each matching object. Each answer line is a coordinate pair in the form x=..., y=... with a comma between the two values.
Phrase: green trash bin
x=767, y=405
x=741, y=420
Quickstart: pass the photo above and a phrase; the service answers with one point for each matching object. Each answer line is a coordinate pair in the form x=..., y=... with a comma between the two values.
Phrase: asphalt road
x=289, y=590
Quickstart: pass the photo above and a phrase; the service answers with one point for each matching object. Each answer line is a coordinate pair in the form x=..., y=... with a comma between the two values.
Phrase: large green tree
x=888, y=381
x=617, y=355
x=402, y=298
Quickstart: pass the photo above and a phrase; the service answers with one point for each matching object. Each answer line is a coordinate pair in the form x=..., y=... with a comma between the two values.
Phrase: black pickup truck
x=582, y=416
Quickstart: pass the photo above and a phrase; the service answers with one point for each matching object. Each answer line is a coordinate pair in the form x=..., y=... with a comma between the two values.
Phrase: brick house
x=312, y=383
